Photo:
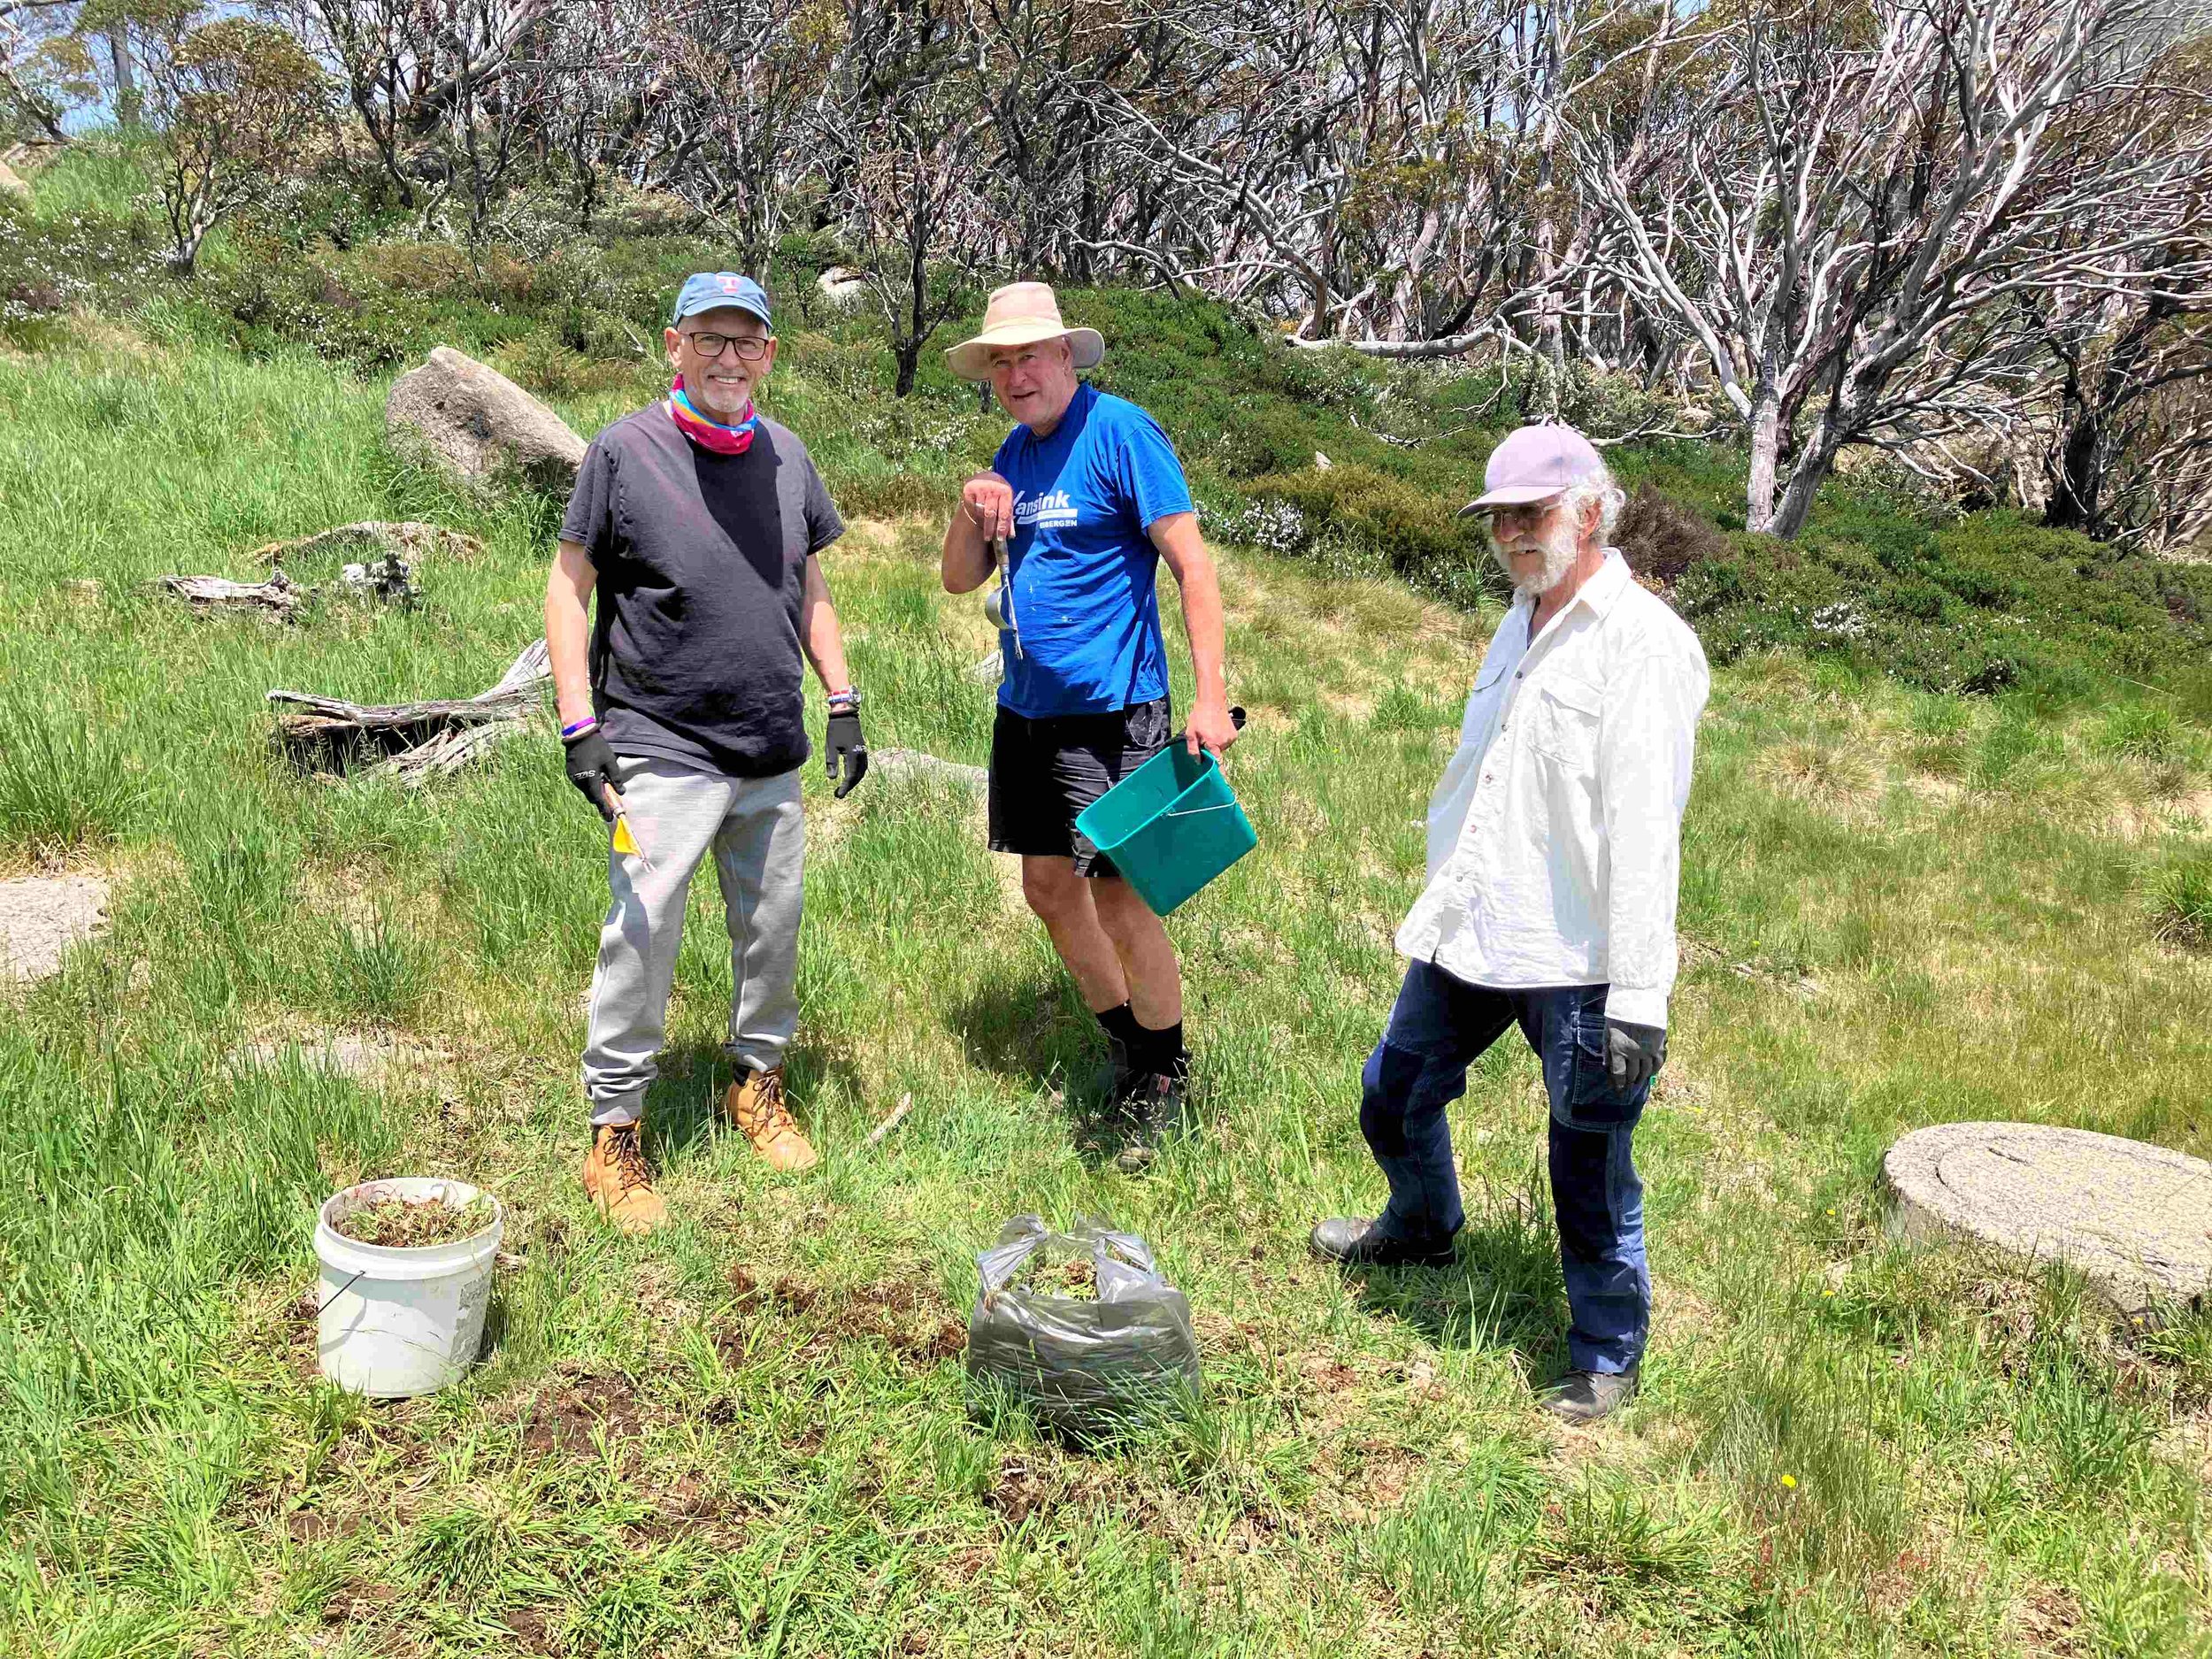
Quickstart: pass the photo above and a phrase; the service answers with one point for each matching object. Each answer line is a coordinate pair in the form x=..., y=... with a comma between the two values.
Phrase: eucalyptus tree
x=1849, y=202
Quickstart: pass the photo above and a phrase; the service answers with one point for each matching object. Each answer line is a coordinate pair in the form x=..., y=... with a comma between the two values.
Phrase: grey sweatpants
x=757, y=832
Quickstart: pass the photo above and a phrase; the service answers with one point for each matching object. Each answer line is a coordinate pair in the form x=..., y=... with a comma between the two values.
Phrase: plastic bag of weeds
x=1090, y=1365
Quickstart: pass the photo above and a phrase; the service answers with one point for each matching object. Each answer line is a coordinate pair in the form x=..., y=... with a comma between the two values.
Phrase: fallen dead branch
x=891, y=1122
x=414, y=740
x=279, y=595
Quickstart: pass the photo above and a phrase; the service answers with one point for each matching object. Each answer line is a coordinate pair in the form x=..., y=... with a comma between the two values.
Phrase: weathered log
x=279, y=595
x=414, y=740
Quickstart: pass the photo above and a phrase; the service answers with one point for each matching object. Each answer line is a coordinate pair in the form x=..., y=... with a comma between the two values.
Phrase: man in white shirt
x=1554, y=850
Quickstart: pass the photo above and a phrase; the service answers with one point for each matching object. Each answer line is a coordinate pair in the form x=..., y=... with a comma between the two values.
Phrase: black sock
x=1121, y=1024
x=1160, y=1052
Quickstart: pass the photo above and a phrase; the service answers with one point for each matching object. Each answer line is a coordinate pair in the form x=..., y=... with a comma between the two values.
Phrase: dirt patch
x=1020, y=1491
x=532, y=1628
x=565, y=1417
x=40, y=917
x=317, y=1526
x=2050, y=1620
x=369, y=1056
x=909, y=1319
x=399, y=1223
x=302, y=1337
x=358, y=1602
x=685, y=1507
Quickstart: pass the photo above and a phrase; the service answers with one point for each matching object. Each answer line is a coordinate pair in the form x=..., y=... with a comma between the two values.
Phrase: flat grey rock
x=2135, y=1219
x=42, y=916
x=914, y=763
x=476, y=423
x=346, y=1053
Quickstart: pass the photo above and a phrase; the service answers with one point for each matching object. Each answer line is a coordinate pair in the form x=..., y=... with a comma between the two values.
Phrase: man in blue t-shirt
x=1089, y=497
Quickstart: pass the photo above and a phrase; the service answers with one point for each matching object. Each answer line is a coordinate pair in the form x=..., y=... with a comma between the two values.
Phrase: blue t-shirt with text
x=1083, y=571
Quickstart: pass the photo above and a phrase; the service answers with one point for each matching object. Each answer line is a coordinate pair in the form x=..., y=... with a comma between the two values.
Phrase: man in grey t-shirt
x=696, y=522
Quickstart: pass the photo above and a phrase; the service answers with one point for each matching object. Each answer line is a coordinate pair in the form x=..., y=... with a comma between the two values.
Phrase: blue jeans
x=1438, y=1028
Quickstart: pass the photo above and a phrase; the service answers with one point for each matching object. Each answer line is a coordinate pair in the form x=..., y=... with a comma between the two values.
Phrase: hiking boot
x=755, y=1105
x=1353, y=1241
x=1121, y=1077
x=1587, y=1396
x=617, y=1181
x=1151, y=1110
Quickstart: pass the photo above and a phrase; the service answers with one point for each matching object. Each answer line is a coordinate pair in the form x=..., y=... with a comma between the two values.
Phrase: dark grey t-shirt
x=702, y=563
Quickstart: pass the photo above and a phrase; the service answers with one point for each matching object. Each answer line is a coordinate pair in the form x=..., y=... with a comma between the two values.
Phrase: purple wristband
x=589, y=722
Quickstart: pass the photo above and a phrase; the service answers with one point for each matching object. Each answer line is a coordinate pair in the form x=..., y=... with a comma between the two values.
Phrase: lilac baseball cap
x=1534, y=464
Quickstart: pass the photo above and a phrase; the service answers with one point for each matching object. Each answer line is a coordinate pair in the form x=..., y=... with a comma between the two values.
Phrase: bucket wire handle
x=1236, y=718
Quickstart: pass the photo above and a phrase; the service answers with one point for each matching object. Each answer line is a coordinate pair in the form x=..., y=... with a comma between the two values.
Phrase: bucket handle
x=340, y=1291
x=1199, y=811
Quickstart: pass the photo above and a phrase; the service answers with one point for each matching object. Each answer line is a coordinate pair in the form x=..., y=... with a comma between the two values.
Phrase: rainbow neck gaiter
x=709, y=434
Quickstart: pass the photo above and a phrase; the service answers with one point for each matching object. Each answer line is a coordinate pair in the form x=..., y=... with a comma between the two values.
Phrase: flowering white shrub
x=1840, y=622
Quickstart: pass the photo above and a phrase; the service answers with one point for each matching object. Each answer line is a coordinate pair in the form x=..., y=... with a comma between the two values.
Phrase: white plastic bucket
x=400, y=1322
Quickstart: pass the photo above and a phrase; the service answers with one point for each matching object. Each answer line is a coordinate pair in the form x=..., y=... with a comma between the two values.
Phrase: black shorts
x=1044, y=772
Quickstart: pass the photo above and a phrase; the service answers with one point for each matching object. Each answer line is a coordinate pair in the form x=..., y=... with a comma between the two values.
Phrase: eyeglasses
x=751, y=348
x=1521, y=515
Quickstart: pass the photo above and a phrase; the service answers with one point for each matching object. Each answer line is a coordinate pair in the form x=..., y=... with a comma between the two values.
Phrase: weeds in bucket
x=409, y=1224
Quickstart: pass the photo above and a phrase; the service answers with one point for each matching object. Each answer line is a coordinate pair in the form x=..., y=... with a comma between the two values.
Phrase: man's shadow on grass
x=1503, y=1289
x=1032, y=1035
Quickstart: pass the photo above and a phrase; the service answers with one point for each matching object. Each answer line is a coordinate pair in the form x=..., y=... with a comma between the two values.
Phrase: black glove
x=844, y=742
x=591, y=768
x=1634, y=1053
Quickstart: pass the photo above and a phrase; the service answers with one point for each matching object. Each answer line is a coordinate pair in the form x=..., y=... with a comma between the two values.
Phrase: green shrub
x=1366, y=513
x=1987, y=605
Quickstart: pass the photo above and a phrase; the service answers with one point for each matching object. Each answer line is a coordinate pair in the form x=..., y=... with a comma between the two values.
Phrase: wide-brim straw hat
x=1022, y=314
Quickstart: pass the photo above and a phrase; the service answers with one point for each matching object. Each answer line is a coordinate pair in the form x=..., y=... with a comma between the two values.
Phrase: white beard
x=1558, y=547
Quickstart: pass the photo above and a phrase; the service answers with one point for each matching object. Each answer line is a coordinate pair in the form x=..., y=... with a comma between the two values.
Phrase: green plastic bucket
x=1170, y=827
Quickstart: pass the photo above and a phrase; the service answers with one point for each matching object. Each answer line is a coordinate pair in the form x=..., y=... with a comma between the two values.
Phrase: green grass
x=744, y=1435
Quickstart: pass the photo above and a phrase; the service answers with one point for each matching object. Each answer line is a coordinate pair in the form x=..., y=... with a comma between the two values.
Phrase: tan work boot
x=755, y=1105
x=617, y=1181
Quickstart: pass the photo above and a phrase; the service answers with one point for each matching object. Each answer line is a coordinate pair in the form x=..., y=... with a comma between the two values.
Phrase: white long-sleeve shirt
x=1555, y=834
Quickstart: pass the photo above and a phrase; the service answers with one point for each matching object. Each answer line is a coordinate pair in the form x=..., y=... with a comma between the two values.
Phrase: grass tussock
x=2180, y=903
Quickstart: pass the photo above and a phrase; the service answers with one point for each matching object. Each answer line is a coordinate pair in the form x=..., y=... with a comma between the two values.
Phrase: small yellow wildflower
x=1789, y=1481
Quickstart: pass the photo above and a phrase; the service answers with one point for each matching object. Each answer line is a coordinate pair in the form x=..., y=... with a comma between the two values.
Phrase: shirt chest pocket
x=1562, y=721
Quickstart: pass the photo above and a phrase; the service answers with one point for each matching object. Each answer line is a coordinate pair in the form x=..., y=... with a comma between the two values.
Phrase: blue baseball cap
x=710, y=290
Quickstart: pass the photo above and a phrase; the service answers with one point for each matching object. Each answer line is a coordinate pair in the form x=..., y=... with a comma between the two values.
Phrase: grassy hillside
x=748, y=1434
x=1884, y=579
